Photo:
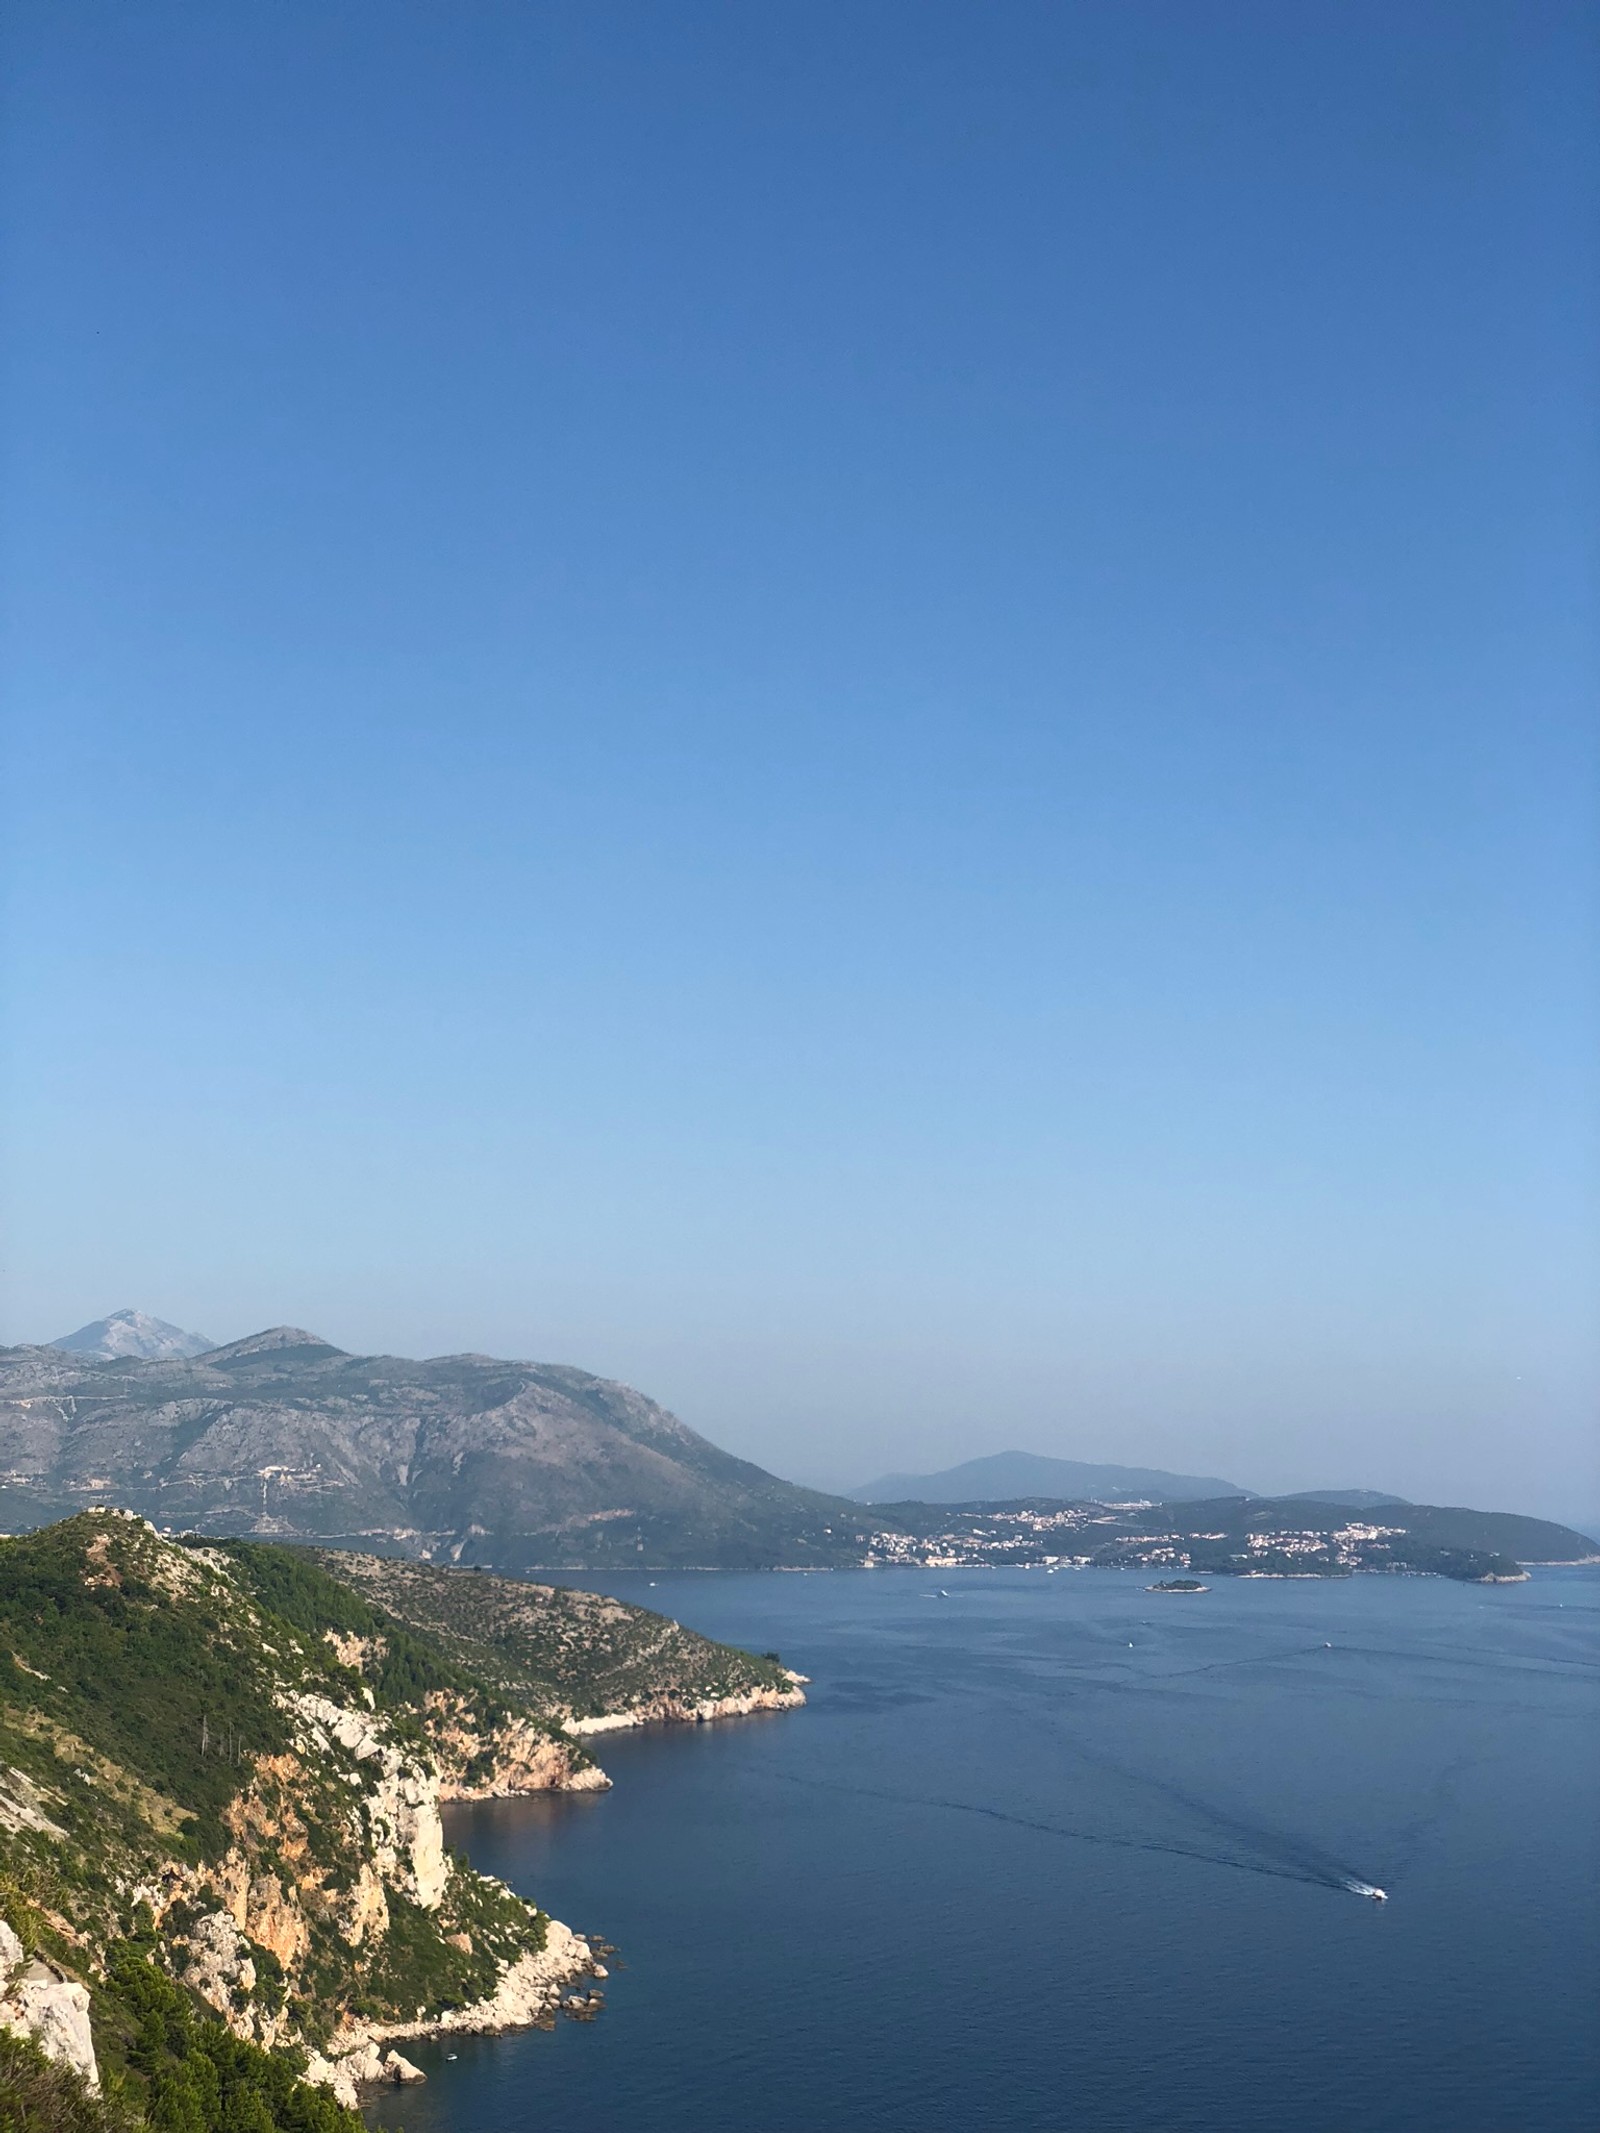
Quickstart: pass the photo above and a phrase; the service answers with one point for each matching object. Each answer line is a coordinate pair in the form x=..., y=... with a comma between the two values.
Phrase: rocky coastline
x=253, y=1826
x=676, y=1710
x=531, y=1992
x=537, y=1987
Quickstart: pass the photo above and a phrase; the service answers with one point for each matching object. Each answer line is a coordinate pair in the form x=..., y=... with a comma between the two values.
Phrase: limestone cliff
x=191, y=1770
x=675, y=1709
x=221, y=1776
x=40, y=2001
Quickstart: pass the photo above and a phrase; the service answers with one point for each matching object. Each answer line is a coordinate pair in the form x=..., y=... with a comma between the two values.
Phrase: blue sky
x=881, y=715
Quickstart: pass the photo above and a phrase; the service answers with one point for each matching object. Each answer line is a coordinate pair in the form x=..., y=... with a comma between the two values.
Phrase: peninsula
x=225, y=1896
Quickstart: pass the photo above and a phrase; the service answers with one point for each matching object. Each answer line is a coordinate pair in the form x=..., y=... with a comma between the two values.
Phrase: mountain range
x=464, y=1458
x=515, y=1465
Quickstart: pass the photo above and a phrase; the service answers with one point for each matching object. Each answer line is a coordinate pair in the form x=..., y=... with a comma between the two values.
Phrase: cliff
x=221, y=1773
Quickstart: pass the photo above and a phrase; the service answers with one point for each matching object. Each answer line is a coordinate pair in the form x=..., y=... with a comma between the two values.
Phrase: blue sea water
x=1054, y=1852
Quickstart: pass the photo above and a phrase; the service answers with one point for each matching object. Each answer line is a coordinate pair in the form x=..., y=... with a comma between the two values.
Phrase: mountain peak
x=272, y=1338
x=133, y=1335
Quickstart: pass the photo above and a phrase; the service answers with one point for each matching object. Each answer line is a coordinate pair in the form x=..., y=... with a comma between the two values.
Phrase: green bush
x=195, y=2075
x=38, y=2095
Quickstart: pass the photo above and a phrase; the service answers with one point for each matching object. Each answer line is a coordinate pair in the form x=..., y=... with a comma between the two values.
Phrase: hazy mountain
x=1005, y=1475
x=1362, y=1499
x=133, y=1334
x=464, y=1458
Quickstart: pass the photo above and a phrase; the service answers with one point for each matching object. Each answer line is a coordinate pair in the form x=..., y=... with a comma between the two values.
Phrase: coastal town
x=1240, y=1536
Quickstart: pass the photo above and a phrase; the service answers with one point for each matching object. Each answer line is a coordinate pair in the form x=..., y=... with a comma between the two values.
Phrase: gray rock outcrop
x=39, y=2001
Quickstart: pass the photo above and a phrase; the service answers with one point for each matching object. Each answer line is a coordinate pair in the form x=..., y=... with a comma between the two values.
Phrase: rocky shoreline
x=530, y=1994
x=255, y=1813
x=675, y=1711
x=535, y=1989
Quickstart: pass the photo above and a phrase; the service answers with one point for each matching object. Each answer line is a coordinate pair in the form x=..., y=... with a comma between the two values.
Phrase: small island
x=1178, y=1585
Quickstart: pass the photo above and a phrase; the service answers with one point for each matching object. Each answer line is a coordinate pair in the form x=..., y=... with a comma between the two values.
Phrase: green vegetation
x=1471, y=1566
x=183, y=2071
x=168, y=2066
x=39, y=2096
x=154, y=1701
x=175, y=1693
x=1291, y=1536
x=552, y=1650
x=401, y=1668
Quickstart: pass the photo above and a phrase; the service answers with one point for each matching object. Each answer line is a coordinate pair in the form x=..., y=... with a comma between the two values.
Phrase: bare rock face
x=219, y=1961
x=529, y=1990
x=39, y=2001
x=133, y=1336
x=20, y=1807
x=346, y=2075
x=262, y=1908
x=526, y=1758
x=368, y=1917
x=402, y=1804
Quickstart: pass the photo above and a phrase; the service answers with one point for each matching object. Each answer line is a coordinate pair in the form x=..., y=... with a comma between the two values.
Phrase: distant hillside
x=1424, y=1525
x=132, y=1334
x=1364, y=1499
x=464, y=1458
x=1005, y=1475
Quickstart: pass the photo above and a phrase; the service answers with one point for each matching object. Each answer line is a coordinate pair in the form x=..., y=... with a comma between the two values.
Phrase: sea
x=1053, y=1851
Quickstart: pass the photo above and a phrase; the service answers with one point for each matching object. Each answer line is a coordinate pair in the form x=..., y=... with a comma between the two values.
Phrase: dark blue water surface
x=1054, y=1852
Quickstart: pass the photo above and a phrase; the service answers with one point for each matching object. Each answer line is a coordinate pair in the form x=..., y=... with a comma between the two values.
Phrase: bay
x=1055, y=1852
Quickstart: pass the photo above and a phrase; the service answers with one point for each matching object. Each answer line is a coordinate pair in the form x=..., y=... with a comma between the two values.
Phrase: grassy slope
x=554, y=1651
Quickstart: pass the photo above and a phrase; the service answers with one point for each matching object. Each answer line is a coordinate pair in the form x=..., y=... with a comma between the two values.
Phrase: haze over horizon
x=893, y=735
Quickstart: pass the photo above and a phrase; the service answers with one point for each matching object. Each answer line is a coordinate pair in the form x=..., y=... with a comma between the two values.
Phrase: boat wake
x=1264, y=1850
x=1311, y=1875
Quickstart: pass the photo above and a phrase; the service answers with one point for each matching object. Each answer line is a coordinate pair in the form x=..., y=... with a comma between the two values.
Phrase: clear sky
x=883, y=715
